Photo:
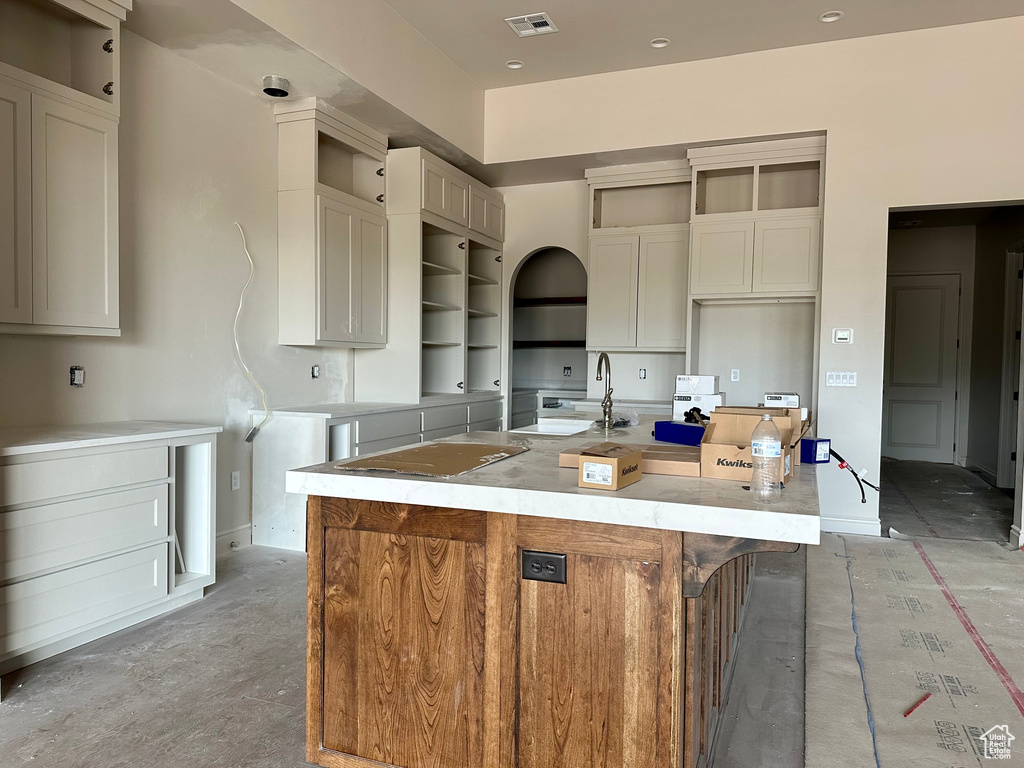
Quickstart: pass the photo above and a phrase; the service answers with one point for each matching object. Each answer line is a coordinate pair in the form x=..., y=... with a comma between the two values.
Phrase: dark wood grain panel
x=501, y=639
x=407, y=519
x=403, y=657
x=589, y=667
x=704, y=553
x=314, y=628
x=600, y=539
x=671, y=650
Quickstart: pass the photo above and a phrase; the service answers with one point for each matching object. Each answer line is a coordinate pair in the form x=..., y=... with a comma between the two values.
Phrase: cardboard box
x=696, y=385
x=725, y=450
x=707, y=404
x=676, y=460
x=797, y=417
x=609, y=466
x=782, y=399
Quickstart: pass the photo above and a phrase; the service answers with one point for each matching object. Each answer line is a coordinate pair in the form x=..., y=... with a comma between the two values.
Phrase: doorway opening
x=549, y=334
x=952, y=371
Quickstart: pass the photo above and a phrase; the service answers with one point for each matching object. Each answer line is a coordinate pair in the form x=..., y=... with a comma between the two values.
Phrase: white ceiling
x=608, y=35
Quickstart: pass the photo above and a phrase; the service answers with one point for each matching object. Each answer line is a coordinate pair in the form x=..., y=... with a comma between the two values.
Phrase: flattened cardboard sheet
x=436, y=459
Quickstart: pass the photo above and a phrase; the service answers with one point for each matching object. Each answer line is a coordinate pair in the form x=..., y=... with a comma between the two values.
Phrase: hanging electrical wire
x=861, y=482
x=241, y=300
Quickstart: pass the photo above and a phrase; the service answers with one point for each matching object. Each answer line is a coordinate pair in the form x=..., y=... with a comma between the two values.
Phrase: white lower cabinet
x=636, y=294
x=100, y=531
x=297, y=437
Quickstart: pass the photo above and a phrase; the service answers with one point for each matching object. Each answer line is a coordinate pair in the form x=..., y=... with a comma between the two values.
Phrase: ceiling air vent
x=532, y=24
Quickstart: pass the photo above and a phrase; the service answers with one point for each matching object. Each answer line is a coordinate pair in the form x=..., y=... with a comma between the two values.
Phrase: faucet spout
x=606, y=402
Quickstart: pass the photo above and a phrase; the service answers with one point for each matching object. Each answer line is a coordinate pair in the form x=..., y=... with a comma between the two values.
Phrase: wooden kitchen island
x=428, y=648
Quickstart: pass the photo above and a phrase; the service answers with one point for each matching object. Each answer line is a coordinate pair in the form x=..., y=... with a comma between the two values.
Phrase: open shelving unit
x=483, y=323
x=442, y=310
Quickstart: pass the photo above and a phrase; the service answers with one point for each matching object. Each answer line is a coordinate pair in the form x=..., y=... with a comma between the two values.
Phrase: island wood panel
x=589, y=666
x=404, y=648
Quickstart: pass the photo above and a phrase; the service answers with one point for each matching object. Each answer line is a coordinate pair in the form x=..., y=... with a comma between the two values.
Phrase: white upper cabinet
x=419, y=182
x=614, y=267
x=639, y=257
x=59, y=105
x=74, y=212
x=15, y=205
x=661, y=291
x=332, y=233
x=756, y=222
x=786, y=255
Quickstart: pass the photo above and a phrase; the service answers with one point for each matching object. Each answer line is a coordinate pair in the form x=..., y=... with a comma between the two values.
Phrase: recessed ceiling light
x=514, y=64
x=659, y=42
x=829, y=16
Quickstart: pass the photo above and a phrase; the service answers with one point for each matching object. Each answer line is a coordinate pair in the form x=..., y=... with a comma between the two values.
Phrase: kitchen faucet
x=606, y=402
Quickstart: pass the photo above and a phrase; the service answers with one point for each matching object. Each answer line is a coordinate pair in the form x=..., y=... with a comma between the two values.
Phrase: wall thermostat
x=842, y=335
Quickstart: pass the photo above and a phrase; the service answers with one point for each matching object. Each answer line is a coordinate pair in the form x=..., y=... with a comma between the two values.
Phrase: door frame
x=1007, y=444
x=965, y=308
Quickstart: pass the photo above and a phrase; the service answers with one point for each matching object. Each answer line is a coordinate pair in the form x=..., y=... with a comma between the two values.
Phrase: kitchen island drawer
x=47, y=608
x=33, y=481
x=54, y=536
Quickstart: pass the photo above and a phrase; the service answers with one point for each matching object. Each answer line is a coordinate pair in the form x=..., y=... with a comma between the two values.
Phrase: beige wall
x=919, y=118
x=196, y=155
x=369, y=42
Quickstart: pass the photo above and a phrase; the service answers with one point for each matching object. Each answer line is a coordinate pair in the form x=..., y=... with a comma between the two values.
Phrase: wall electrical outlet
x=77, y=376
x=236, y=480
x=643, y=373
x=315, y=372
x=567, y=370
x=734, y=374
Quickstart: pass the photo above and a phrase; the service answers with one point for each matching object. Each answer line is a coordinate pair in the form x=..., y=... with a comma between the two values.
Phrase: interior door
x=922, y=317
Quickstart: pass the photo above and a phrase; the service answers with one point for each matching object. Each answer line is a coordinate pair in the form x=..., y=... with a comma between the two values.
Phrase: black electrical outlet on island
x=543, y=566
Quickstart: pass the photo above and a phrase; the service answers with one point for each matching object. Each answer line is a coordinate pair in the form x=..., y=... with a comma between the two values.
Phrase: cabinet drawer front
x=485, y=411
x=449, y=416
x=437, y=434
x=491, y=425
x=38, y=480
x=386, y=444
x=44, y=609
x=384, y=425
x=524, y=403
x=55, y=535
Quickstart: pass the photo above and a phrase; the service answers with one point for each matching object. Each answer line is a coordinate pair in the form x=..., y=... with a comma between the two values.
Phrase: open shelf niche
x=483, y=323
x=549, y=321
x=443, y=311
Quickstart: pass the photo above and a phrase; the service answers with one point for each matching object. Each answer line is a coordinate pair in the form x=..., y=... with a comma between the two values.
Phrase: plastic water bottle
x=766, y=451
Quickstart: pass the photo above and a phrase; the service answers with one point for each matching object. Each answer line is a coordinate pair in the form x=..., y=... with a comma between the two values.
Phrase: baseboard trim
x=1016, y=537
x=241, y=536
x=849, y=525
x=987, y=473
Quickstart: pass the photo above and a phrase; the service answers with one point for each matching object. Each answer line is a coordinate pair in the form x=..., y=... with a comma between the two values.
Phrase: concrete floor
x=216, y=683
x=942, y=501
x=221, y=682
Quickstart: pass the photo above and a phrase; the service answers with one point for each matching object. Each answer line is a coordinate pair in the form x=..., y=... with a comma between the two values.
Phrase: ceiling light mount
x=514, y=64
x=276, y=86
x=830, y=16
x=659, y=42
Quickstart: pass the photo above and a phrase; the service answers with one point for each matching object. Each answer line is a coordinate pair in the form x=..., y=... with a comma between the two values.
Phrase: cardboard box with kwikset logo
x=725, y=449
x=610, y=466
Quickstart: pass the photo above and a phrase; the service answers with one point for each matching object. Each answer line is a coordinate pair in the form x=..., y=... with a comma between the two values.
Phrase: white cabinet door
x=486, y=215
x=721, y=259
x=353, y=276
x=74, y=214
x=786, y=255
x=612, y=291
x=661, y=298
x=15, y=205
x=444, y=194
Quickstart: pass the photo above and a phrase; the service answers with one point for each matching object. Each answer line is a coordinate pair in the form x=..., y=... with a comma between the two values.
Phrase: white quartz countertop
x=27, y=440
x=350, y=410
x=532, y=483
